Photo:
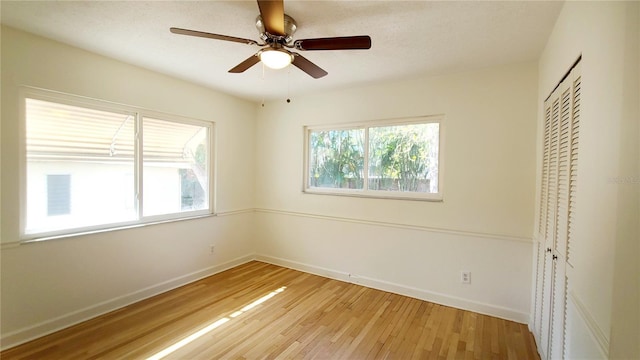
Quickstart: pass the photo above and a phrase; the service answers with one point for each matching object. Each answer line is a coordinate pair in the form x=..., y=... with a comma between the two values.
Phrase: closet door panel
x=556, y=218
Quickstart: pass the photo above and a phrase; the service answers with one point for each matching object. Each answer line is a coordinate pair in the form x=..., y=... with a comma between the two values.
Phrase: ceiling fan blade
x=307, y=66
x=272, y=13
x=334, y=43
x=211, y=36
x=243, y=66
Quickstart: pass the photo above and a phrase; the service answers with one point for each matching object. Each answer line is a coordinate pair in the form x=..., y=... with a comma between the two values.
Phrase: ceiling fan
x=276, y=31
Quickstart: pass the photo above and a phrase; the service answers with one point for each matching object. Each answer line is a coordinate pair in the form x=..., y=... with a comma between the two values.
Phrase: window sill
x=430, y=197
x=110, y=229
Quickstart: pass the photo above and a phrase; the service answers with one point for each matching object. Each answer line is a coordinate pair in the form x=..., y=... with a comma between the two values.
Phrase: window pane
x=336, y=159
x=404, y=158
x=175, y=170
x=79, y=163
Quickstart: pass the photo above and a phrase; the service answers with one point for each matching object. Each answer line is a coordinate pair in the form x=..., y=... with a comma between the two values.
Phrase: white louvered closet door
x=557, y=206
x=550, y=221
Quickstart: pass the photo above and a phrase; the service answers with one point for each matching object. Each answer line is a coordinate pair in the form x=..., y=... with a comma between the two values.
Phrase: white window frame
x=381, y=194
x=139, y=113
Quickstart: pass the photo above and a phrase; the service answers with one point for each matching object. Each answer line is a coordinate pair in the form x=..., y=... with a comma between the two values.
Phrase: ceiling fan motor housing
x=290, y=27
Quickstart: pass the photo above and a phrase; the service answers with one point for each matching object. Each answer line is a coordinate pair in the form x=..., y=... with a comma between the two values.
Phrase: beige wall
x=603, y=306
x=484, y=225
x=489, y=150
x=56, y=283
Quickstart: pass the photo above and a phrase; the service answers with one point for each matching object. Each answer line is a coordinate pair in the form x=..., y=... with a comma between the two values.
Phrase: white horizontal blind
x=60, y=132
x=167, y=141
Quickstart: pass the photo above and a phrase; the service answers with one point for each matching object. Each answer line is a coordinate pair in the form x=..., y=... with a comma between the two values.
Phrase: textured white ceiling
x=409, y=38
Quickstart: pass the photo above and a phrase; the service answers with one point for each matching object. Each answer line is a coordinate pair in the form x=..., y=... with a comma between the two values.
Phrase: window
x=86, y=169
x=394, y=158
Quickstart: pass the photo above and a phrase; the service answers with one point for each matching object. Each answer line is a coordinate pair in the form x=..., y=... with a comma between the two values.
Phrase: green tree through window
x=337, y=159
x=401, y=158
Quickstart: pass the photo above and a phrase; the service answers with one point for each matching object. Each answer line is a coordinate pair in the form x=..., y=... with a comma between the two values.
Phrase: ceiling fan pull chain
x=263, y=86
x=288, y=86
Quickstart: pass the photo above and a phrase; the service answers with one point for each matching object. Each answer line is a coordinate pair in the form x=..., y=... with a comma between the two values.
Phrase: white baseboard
x=23, y=335
x=438, y=298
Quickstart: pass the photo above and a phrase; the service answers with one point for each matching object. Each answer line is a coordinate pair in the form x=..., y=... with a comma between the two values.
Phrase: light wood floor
x=300, y=316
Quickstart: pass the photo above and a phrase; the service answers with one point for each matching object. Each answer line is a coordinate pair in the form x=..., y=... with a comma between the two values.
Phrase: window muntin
x=393, y=158
x=111, y=172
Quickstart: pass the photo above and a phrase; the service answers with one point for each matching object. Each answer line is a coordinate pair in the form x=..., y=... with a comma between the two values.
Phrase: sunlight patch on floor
x=207, y=329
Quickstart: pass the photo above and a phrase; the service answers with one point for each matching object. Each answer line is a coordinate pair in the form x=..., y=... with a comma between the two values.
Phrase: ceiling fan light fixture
x=276, y=58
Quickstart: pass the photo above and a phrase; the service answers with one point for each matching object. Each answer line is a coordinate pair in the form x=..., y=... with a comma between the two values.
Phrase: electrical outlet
x=212, y=248
x=465, y=277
